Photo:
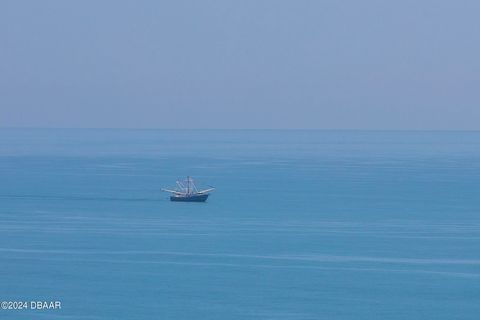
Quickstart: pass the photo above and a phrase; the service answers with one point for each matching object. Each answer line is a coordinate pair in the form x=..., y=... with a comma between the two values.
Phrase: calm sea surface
x=303, y=224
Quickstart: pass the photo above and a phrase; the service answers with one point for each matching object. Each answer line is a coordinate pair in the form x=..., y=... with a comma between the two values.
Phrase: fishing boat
x=186, y=191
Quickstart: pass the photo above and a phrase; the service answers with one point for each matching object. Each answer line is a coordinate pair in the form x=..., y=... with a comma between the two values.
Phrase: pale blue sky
x=240, y=64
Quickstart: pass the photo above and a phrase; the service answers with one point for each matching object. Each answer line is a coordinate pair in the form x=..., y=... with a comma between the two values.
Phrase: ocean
x=302, y=224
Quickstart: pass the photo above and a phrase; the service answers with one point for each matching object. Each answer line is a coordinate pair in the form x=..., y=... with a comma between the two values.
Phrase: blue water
x=303, y=224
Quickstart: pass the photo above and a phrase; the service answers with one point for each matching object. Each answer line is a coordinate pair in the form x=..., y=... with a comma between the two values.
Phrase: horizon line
x=238, y=129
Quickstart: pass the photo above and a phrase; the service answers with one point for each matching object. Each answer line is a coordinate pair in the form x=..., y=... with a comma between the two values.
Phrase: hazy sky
x=240, y=64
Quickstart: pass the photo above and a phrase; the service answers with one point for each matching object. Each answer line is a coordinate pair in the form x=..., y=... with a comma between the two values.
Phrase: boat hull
x=190, y=198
